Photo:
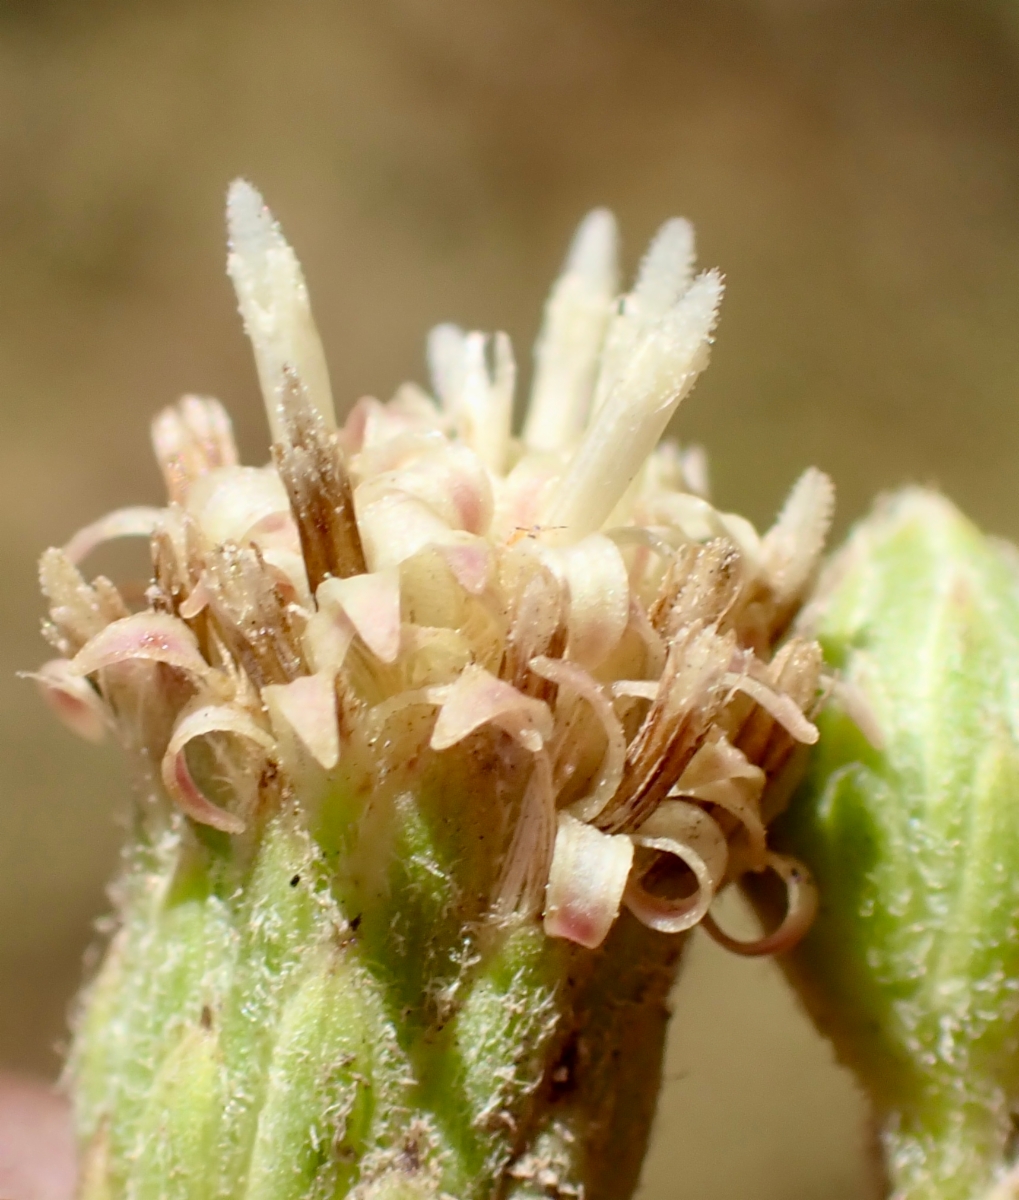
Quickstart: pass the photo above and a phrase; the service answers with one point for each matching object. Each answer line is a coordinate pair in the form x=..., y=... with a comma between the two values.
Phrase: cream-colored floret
x=419, y=582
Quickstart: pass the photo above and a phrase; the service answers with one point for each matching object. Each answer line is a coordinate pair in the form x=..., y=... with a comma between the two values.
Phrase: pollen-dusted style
x=443, y=736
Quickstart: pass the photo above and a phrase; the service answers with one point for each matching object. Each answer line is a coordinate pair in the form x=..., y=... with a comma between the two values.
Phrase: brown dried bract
x=311, y=464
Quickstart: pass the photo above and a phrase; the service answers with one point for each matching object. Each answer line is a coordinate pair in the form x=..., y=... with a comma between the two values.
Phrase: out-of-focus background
x=852, y=167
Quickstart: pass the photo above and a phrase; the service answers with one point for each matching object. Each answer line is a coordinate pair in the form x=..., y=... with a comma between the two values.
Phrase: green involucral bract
x=241, y=1038
x=912, y=966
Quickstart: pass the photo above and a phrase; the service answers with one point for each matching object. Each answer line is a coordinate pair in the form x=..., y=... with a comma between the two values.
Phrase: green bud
x=912, y=966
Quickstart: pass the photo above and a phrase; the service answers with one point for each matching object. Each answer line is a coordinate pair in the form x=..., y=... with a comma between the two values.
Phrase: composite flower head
x=554, y=628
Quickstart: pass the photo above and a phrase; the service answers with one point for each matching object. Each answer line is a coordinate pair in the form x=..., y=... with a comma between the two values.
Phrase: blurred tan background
x=852, y=167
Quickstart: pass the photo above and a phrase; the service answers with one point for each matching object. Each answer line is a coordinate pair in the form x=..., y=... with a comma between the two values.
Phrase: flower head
x=556, y=629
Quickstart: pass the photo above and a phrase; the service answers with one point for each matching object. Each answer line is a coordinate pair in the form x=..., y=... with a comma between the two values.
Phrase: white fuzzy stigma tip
x=273, y=300
x=667, y=357
x=567, y=351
